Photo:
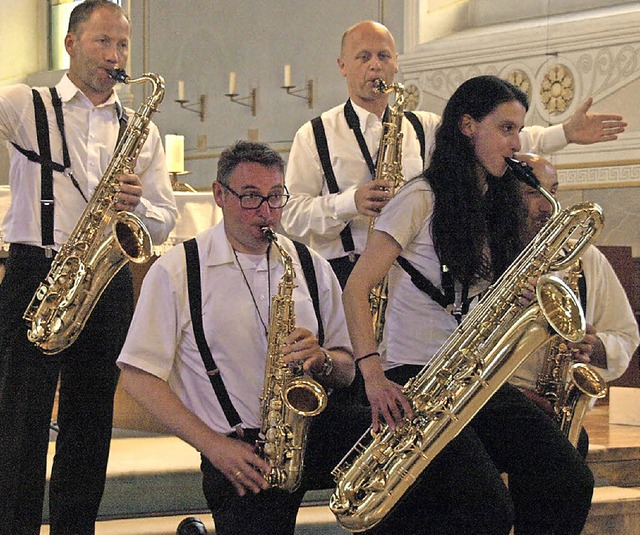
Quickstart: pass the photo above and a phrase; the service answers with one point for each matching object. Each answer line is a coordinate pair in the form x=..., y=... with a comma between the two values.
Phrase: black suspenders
x=47, y=165
x=325, y=158
x=195, y=307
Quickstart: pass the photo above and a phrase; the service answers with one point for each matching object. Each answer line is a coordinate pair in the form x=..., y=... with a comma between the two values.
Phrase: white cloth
x=608, y=310
x=415, y=325
x=161, y=339
x=91, y=133
x=317, y=217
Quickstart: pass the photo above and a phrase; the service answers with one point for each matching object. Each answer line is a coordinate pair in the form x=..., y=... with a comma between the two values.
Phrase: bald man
x=332, y=214
x=612, y=331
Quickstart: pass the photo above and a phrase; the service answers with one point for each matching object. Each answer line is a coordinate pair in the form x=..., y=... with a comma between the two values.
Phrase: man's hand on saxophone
x=371, y=197
x=590, y=349
x=333, y=368
x=130, y=192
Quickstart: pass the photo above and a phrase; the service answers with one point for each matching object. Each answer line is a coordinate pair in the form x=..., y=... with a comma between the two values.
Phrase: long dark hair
x=465, y=219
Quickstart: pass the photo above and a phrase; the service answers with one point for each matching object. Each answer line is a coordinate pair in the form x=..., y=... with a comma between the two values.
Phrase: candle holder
x=196, y=107
x=300, y=92
x=251, y=100
x=176, y=185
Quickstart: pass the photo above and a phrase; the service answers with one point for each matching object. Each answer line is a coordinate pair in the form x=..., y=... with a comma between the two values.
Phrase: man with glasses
x=239, y=272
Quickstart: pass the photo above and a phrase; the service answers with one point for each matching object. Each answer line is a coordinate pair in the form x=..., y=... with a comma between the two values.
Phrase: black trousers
x=461, y=491
x=28, y=379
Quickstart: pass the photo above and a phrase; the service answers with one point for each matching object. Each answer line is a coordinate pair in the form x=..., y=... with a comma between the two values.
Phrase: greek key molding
x=599, y=177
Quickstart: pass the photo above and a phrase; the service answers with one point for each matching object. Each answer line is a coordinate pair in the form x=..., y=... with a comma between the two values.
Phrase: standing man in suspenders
x=330, y=170
x=58, y=156
x=197, y=348
x=612, y=332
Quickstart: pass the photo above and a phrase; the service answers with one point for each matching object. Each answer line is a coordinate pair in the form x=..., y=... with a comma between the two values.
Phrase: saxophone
x=289, y=399
x=102, y=242
x=569, y=386
x=388, y=167
x=477, y=358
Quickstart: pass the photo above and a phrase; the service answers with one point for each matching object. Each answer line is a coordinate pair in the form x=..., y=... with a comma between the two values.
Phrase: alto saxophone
x=289, y=400
x=473, y=363
x=388, y=167
x=569, y=386
x=102, y=242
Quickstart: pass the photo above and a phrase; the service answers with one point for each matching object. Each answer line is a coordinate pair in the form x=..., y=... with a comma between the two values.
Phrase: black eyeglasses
x=253, y=201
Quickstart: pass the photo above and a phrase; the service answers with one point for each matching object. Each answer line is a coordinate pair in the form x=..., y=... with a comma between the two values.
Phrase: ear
x=341, y=66
x=69, y=42
x=218, y=192
x=467, y=125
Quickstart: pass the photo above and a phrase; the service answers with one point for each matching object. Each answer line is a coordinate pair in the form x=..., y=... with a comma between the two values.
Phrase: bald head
x=366, y=27
x=368, y=53
x=543, y=169
x=538, y=207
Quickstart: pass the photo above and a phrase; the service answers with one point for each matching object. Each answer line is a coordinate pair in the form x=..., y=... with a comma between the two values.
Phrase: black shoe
x=191, y=526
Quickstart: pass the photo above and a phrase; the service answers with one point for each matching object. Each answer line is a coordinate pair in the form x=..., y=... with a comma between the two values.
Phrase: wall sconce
x=252, y=98
x=196, y=107
x=289, y=88
x=174, y=150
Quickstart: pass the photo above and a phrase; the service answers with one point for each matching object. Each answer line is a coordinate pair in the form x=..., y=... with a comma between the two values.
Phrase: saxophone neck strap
x=354, y=124
x=446, y=298
x=194, y=289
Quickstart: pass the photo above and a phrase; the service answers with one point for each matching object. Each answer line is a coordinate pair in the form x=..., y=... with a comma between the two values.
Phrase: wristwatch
x=327, y=365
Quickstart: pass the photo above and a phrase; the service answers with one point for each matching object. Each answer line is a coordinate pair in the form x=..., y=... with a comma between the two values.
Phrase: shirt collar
x=367, y=119
x=68, y=90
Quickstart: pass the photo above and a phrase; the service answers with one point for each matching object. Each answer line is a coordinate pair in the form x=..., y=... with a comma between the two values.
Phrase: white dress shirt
x=91, y=133
x=161, y=339
x=608, y=310
x=316, y=217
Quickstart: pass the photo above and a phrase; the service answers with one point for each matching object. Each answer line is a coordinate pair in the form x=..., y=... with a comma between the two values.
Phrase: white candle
x=181, y=90
x=174, y=149
x=287, y=75
x=232, y=83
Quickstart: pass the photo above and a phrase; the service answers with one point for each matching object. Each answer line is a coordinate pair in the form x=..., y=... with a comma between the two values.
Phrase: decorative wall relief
x=557, y=89
x=412, y=97
x=521, y=80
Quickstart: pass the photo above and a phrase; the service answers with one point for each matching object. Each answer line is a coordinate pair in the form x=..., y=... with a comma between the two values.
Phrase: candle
x=287, y=75
x=174, y=149
x=181, y=90
x=232, y=83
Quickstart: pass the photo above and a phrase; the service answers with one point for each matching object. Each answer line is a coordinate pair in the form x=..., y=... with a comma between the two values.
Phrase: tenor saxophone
x=569, y=386
x=473, y=363
x=388, y=167
x=289, y=399
x=102, y=242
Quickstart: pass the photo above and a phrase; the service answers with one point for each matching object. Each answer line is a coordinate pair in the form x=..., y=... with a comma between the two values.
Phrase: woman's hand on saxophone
x=130, y=192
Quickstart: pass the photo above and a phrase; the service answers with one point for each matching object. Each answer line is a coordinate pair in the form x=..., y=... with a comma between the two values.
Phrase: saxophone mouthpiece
x=523, y=172
x=380, y=85
x=119, y=75
x=269, y=233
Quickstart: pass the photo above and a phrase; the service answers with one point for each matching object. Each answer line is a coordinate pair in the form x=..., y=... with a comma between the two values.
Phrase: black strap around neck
x=446, y=299
x=195, y=306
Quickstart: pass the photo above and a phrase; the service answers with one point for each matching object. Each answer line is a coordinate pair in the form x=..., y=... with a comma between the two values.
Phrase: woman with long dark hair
x=457, y=227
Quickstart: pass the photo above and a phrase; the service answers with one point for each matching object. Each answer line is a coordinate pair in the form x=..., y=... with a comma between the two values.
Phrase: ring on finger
x=238, y=473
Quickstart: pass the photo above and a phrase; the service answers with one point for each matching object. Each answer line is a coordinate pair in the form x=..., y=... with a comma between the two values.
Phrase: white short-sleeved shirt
x=415, y=325
x=161, y=339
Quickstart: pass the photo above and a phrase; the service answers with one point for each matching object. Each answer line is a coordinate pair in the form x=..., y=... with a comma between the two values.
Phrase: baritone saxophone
x=102, y=242
x=569, y=386
x=289, y=399
x=475, y=361
x=388, y=167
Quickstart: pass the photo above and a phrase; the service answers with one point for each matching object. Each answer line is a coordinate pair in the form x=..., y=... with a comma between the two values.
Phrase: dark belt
x=22, y=250
x=249, y=435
